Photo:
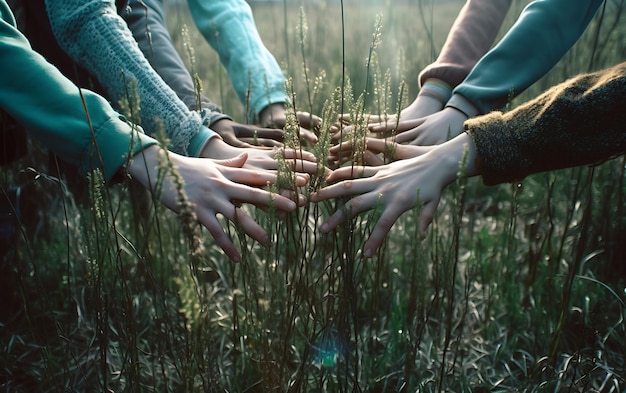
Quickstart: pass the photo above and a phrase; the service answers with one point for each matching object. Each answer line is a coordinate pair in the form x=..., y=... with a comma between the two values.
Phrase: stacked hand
x=396, y=187
x=212, y=188
x=269, y=133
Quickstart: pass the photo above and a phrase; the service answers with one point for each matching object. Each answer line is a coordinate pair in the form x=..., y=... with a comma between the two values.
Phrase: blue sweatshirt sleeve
x=78, y=125
x=228, y=26
x=543, y=33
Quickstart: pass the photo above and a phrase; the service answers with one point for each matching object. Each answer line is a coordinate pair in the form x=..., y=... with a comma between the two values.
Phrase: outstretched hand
x=213, y=188
x=375, y=152
x=275, y=116
x=246, y=135
x=396, y=188
x=431, y=130
x=390, y=124
x=262, y=159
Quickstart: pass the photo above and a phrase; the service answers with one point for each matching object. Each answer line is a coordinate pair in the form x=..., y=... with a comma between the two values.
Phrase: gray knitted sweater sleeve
x=579, y=122
x=93, y=34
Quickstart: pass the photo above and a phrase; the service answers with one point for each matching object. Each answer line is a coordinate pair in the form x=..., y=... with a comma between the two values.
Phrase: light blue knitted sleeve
x=229, y=27
x=93, y=34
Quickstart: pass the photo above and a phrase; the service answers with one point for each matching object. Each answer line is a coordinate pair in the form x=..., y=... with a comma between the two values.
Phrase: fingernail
x=368, y=253
x=237, y=259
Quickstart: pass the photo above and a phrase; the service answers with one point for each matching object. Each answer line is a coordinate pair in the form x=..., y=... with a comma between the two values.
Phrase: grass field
x=515, y=288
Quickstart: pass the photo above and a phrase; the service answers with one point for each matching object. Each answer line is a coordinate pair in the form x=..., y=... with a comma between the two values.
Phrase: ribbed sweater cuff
x=462, y=104
x=437, y=89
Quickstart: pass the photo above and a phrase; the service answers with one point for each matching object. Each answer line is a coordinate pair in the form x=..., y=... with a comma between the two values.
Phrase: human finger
x=232, y=140
x=352, y=208
x=307, y=135
x=210, y=222
x=407, y=136
x=254, y=132
x=342, y=133
x=308, y=120
x=342, y=189
x=261, y=198
x=261, y=143
x=382, y=227
x=299, y=153
x=351, y=172
x=399, y=127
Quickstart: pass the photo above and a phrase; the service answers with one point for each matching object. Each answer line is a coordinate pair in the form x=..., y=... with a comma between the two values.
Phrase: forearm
x=579, y=122
x=470, y=37
x=146, y=21
x=229, y=28
x=79, y=126
x=94, y=35
x=544, y=32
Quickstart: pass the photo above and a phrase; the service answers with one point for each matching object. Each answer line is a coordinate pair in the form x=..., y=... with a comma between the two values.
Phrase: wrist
x=217, y=149
x=269, y=113
x=436, y=89
x=142, y=167
x=463, y=105
x=458, y=157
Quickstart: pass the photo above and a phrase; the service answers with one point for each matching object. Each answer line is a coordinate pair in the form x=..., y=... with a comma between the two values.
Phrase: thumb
x=234, y=162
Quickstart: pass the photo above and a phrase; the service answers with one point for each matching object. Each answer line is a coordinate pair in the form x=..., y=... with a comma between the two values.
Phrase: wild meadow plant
x=513, y=288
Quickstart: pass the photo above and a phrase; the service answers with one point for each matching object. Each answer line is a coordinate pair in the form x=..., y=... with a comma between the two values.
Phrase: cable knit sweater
x=579, y=122
x=101, y=140
x=96, y=37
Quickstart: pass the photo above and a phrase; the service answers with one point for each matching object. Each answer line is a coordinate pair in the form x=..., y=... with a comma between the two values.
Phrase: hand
x=245, y=135
x=397, y=187
x=388, y=124
x=262, y=159
x=211, y=187
x=275, y=116
x=374, y=147
x=431, y=130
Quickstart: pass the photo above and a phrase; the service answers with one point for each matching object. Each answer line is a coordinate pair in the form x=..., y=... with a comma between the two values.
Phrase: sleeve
x=470, y=37
x=146, y=21
x=77, y=125
x=543, y=33
x=97, y=38
x=579, y=122
x=228, y=26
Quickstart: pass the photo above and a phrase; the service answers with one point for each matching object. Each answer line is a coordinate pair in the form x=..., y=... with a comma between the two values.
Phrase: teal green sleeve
x=78, y=125
x=544, y=32
x=228, y=26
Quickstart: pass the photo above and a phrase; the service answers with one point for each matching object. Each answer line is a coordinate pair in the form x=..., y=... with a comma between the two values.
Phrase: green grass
x=515, y=288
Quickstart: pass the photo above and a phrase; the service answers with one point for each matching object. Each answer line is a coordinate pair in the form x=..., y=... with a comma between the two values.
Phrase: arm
x=146, y=21
x=228, y=26
x=579, y=122
x=61, y=123
x=543, y=33
x=470, y=37
x=94, y=35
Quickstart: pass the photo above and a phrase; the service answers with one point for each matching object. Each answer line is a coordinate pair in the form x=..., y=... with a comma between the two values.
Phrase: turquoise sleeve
x=543, y=33
x=78, y=125
x=229, y=27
